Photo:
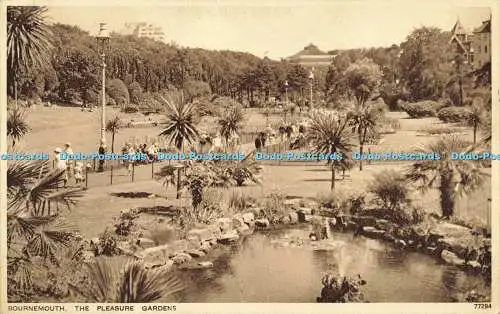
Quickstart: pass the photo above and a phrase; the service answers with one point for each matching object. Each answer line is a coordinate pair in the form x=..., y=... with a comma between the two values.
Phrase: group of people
x=150, y=151
x=70, y=169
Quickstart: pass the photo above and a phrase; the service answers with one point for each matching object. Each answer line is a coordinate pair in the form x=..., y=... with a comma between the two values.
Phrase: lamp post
x=102, y=46
x=311, y=79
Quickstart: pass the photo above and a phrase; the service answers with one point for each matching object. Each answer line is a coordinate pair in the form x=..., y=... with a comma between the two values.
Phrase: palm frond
x=180, y=123
x=114, y=124
x=17, y=127
x=20, y=176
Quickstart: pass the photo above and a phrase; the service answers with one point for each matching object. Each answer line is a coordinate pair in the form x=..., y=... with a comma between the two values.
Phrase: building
x=311, y=56
x=475, y=46
x=481, y=44
x=144, y=30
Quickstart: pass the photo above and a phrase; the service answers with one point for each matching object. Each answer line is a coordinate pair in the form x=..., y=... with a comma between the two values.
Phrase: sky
x=276, y=31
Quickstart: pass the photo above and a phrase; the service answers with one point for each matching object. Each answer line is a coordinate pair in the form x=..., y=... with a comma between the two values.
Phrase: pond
x=275, y=267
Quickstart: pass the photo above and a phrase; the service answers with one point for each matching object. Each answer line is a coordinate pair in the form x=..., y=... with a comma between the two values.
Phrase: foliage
x=454, y=114
x=125, y=222
x=180, y=122
x=162, y=235
x=239, y=201
x=390, y=189
x=439, y=130
x=341, y=289
x=230, y=122
x=135, y=93
x=421, y=109
x=273, y=207
x=328, y=134
x=107, y=244
x=247, y=169
x=28, y=41
x=118, y=91
x=452, y=177
x=363, y=78
x=194, y=89
x=17, y=127
x=340, y=201
x=130, y=109
x=110, y=281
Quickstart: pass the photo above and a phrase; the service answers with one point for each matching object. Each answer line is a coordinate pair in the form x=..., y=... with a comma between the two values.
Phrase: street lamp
x=102, y=46
x=311, y=79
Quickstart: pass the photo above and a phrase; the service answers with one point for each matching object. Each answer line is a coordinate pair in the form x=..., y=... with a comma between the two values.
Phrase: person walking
x=69, y=162
x=61, y=165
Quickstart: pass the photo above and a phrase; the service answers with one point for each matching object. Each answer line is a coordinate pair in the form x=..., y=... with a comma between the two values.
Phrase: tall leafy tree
x=453, y=178
x=330, y=134
x=113, y=126
x=231, y=122
x=16, y=125
x=363, y=79
x=28, y=41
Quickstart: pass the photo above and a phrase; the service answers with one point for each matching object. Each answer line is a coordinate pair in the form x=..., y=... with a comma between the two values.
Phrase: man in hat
x=61, y=165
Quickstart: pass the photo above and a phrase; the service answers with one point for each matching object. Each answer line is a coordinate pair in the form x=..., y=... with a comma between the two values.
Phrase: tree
x=363, y=119
x=28, y=41
x=476, y=117
x=180, y=127
x=129, y=282
x=118, y=91
x=363, y=78
x=452, y=177
x=16, y=125
x=135, y=93
x=230, y=123
x=247, y=169
x=329, y=134
x=426, y=63
x=194, y=89
x=113, y=126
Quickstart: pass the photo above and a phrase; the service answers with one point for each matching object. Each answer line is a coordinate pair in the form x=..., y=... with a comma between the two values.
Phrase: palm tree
x=476, y=118
x=28, y=43
x=330, y=134
x=113, y=126
x=363, y=119
x=16, y=125
x=247, y=169
x=31, y=230
x=180, y=127
x=230, y=123
x=113, y=281
x=453, y=178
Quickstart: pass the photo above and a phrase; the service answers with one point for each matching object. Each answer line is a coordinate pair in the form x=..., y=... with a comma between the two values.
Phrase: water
x=267, y=268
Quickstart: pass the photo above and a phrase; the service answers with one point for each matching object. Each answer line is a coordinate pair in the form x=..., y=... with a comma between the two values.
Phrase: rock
x=244, y=230
x=146, y=243
x=306, y=210
x=205, y=247
x=372, y=232
x=262, y=223
x=474, y=266
x=229, y=237
x=214, y=242
x=237, y=221
x=294, y=217
x=214, y=231
x=181, y=258
x=365, y=221
x=389, y=237
x=248, y=217
x=206, y=264
x=383, y=224
x=156, y=256
x=450, y=258
x=285, y=220
x=200, y=234
x=195, y=253
x=432, y=250
x=454, y=245
x=293, y=203
x=178, y=246
x=224, y=224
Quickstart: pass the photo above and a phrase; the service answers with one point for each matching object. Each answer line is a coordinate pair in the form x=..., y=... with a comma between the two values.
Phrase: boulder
x=293, y=203
x=181, y=258
x=205, y=247
x=262, y=223
x=306, y=210
x=285, y=220
x=454, y=245
x=155, y=256
x=474, y=266
x=244, y=230
x=384, y=224
x=389, y=237
x=450, y=258
x=206, y=264
x=179, y=246
x=237, y=221
x=200, y=234
x=248, y=217
x=294, y=217
x=145, y=243
x=432, y=250
x=195, y=253
x=372, y=232
x=224, y=224
x=228, y=238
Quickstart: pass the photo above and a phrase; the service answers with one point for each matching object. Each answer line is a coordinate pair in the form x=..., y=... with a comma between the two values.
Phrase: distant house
x=311, y=56
x=474, y=46
x=481, y=44
x=144, y=30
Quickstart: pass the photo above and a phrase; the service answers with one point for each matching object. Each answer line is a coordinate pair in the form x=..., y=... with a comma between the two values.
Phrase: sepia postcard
x=250, y=156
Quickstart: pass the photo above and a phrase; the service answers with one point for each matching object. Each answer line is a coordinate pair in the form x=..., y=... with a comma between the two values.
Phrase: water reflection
x=271, y=268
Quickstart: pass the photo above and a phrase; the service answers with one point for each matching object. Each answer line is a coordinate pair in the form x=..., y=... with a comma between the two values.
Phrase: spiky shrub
x=239, y=201
x=247, y=169
x=341, y=289
x=390, y=189
x=16, y=125
x=125, y=281
x=107, y=244
x=125, y=222
x=273, y=207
